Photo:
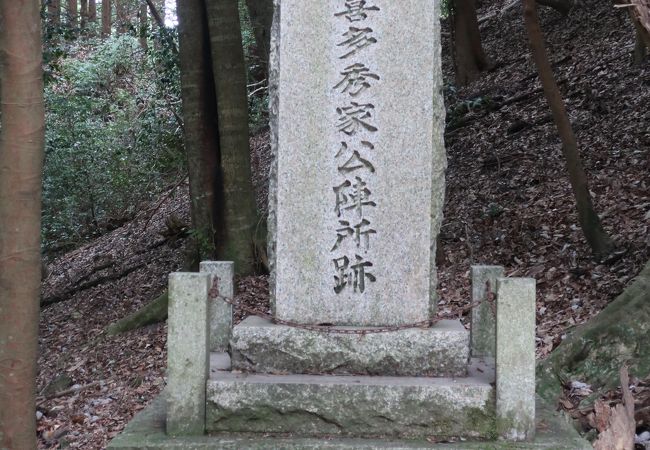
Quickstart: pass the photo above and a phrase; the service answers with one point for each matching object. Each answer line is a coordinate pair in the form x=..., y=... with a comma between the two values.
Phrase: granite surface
x=260, y=346
x=515, y=358
x=187, y=355
x=220, y=312
x=357, y=185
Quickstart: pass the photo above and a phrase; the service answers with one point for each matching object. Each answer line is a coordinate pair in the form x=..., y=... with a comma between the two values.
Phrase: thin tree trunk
x=596, y=236
x=157, y=17
x=54, y=12
x=143, y=25
x=21, y=161
x=200, y=112
x=106, y=18
x=470, y=59
x=73, y=14
x=92, y=10
x=561, y=6
x=83, y=13
x=121, y=16
x=261, y=13
x=237, y=224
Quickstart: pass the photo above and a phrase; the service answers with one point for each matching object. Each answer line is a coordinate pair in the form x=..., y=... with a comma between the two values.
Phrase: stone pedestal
x=260, y=346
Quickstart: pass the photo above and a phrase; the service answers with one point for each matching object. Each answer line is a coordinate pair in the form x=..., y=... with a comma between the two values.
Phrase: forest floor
x=508, y=203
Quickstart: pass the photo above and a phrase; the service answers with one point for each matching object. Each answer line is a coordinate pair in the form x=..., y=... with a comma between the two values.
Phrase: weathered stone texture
x=263, y=347
x=187, y=357
x=515, y=358
x=483, y=324
x=350, y=405
x=406, y=153
x=220, y=312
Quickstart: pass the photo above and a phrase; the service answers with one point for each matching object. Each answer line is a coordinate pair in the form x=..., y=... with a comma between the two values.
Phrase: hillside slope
x=508, y=202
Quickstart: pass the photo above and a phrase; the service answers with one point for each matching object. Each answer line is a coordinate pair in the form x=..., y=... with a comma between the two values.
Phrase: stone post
x=483, y=329
x=515, y=358
x=187, y=355
x=220, y=312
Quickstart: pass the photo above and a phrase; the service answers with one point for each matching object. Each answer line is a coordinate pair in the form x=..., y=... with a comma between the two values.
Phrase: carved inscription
x=357, y=127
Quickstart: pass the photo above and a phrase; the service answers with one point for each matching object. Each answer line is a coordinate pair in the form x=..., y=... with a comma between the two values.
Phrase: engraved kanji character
x=341, y=278
x=356, y=79
x=360, y=231
x=360, y=274
x=352, y=196
x=356, y=39
x=355, y=161
x=354, y=117
x=356, y=276
x=355, y=10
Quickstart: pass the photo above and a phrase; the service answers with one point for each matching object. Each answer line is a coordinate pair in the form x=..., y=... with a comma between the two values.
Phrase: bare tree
x=106, y=18
x=73, y=14
x=92, y=10
x=597, y=238
x=21, y=160
x=54, y=12
x=469, y=57
x=261, y=13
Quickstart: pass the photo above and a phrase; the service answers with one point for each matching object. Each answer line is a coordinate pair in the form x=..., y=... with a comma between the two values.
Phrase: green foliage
x=112, y=139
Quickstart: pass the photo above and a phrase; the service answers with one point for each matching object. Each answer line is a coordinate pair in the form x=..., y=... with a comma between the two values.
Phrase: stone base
x=359, y=406
x=147, y=432
x=260, y=346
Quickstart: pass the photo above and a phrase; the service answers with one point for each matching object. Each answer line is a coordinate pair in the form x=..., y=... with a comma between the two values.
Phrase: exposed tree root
x=153, y=312
x=594, y=352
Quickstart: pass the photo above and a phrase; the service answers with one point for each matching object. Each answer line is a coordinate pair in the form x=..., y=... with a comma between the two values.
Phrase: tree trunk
x=143, y=25
x=106, y=18
x=642, y=43
x=92, y=10
x=561, y=6
x=83, y=13
x=200, y=113
x=73, y=14
x=54, y=12
x=261, y=13
x=237, y=203
x=21, y=160
x=470, y=59
x=595, y=351
x=597, y=238
x=158, y=18
x=153, y=312
x=122, y=17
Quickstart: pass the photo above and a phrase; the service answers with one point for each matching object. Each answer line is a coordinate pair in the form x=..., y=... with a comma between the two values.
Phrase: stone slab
x=359, y=406
x=357, y=186
x=147, y=432
x=187, y=356
x=260, y=346
x=483, y=320
x=515, y=358
x=220, y=313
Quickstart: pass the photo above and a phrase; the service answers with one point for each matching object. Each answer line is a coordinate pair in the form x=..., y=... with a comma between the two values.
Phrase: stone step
x=361, y=406
x=260, y=346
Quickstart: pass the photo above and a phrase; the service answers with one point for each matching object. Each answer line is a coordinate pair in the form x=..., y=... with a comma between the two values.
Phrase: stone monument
x=358, y=183
x=350, y=358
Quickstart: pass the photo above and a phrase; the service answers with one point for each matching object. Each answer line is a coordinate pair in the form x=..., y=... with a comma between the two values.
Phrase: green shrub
x=112, y=140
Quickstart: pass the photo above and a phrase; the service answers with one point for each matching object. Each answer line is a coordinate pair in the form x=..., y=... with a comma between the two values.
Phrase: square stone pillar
x=357, y=184
x=515, y=358
x=220, y=312
x=483, y=327
x=187, y=354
